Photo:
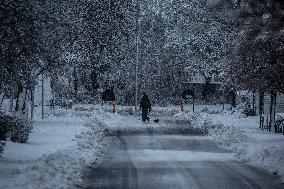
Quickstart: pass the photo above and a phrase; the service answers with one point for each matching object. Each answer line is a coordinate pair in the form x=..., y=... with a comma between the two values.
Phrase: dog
x=156, y=120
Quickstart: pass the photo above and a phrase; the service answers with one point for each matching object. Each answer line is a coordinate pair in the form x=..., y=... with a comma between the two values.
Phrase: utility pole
x=223, y=100
x=42, y=96
x=53, y=101
x=32, y=104
x=137, y=53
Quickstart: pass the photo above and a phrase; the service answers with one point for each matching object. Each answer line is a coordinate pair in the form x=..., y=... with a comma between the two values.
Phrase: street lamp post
x=137, y=54
x=42, y=96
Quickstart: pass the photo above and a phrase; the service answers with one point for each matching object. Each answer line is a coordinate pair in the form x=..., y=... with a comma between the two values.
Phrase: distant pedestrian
x=51, y=104
x=145, y=105
x=108, y=95
x=182, y=105
x=113, y=106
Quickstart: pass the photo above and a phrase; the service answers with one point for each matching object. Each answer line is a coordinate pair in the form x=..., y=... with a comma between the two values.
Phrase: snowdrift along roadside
x=242, y=136
x=58, y=149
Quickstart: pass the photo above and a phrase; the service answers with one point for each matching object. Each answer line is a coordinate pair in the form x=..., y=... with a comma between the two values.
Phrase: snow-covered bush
x=83, y=107
x=230, y=138
x=5, y=124
x=97, y=124
x=206, y=110
x=16, y=127
x=3, y=127
x=20, y=130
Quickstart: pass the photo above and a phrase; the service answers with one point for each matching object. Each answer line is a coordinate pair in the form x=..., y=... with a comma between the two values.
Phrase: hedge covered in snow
x=14, y=127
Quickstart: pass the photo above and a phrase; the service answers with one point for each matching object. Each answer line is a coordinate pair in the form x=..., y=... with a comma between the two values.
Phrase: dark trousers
x=144, y=115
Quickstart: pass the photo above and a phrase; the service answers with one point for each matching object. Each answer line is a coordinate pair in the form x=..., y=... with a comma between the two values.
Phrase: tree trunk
x=32, y=104
x=19, y=92
x=272, y=110
x=75, y=84
x=26, y=104
x=42, y=96
x=253, y=102
x=94, y=81
x=21, y=99
x=1, y=99
x=62, y=100
x=207, y=90
x=53, y=102
x=11, y=99
x=261, y=109
x=223, y=99
x=233, y=98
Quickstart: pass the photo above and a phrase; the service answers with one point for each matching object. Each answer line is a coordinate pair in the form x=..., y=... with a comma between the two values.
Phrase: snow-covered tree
x=256, y=63
x=259, y=51
x=19, y=47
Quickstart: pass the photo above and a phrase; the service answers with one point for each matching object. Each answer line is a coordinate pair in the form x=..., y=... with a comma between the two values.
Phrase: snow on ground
x=58, y=148
x=242, y=135
x=165, y=111
x=132, y=124
x=125, y=120
x=231, y=130
x=69, y=140
x=257, y=147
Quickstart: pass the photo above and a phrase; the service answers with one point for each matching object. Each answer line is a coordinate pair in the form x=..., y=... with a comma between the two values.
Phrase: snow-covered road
x=171, y=161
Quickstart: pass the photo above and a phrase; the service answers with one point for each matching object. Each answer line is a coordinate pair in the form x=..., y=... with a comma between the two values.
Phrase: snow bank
x=197, y=120
x=58, y=149
x=265, y=152
x=166, y=111
x=116, y=124
x=241, y=135
x=156, y=111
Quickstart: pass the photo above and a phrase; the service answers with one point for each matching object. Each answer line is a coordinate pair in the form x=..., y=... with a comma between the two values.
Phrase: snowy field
x=59, y=148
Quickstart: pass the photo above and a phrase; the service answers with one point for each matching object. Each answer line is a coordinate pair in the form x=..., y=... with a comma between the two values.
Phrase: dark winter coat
x=108, y=95
x=145, y=104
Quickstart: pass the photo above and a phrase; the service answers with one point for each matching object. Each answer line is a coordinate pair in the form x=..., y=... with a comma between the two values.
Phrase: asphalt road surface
x=170, y=161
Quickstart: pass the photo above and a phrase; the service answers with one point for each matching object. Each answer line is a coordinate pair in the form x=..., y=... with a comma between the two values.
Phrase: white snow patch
x=58, y=149
x=242, y=136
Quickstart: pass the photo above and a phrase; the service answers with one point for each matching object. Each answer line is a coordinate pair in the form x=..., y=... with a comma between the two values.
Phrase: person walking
x=145, y=105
